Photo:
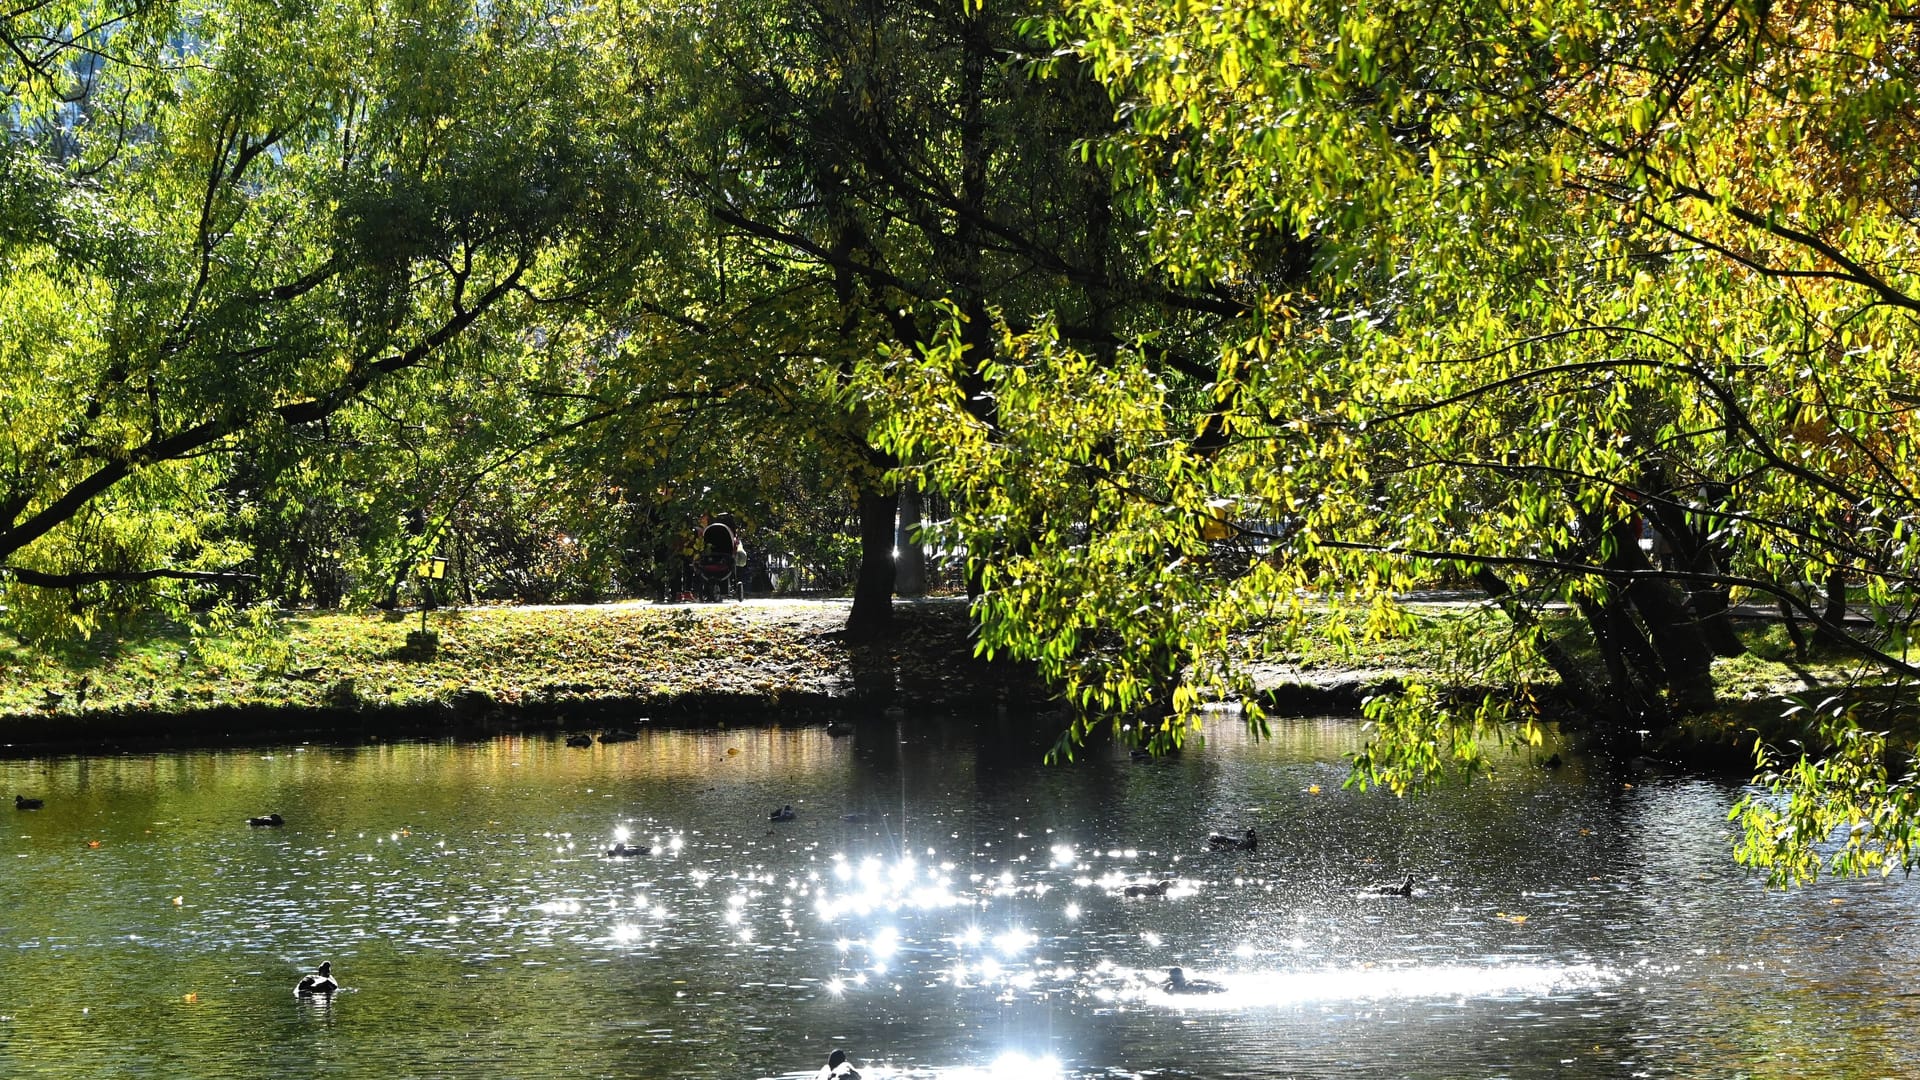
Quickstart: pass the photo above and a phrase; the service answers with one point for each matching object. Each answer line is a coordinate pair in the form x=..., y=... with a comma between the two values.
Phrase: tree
x=1565, y=273
x=245, y=216
x=871, y=167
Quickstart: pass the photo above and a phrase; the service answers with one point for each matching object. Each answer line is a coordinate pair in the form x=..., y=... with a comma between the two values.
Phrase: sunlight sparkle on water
x=1013, y=942
x=879, y=886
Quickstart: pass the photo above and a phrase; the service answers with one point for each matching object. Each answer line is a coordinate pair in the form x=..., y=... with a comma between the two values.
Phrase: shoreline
x=587, y=669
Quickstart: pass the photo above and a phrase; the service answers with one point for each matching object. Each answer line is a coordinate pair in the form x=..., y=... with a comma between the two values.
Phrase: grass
x=330, y=659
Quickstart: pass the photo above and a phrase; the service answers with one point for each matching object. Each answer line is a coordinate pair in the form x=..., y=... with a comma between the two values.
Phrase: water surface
x=942, y=906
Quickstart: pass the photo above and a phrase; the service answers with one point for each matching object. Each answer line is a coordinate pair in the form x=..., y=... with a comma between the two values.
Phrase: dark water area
x=969, y=920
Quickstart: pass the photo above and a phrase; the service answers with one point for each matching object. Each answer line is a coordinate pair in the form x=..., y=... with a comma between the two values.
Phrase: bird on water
x=319, y=984
x=1178, y=983
x=837, y=1068
x=1246, y=841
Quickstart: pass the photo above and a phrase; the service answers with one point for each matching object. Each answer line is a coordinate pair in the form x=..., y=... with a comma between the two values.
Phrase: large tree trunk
x=1833, y=615
x=1695, y=551
x=910, y=569
x=872, y=615
x=1685, y=659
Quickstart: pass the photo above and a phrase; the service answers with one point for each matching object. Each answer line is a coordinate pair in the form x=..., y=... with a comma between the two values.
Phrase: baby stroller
x=713, y=565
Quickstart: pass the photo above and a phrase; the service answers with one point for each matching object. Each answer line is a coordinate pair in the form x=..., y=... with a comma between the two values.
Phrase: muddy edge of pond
x=476, y=714
x=473, y=714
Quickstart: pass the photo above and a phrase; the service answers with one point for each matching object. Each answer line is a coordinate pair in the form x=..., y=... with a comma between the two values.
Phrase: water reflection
x=978, y=914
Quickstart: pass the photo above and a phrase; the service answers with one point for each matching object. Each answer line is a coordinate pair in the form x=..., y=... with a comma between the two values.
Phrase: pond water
x=970, y=919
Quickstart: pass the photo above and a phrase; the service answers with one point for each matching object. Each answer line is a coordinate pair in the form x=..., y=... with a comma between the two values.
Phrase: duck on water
x=837, y=1068
x=1246, y=841
x=1178, y=983
x=319, y=984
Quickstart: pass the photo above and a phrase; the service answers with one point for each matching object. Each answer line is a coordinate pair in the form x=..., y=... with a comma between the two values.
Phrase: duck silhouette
x=1151, y=888
x=1387, y=888
x=21, y=802
x=580, y=741
x=1178, y=983
x=837, y=1068
x=271, y=821
x=319, y=984
x=785, y=813
x=1220, y=841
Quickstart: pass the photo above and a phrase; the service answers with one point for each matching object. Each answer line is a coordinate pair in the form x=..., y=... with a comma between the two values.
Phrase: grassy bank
x=318, y=669
x=602, y=664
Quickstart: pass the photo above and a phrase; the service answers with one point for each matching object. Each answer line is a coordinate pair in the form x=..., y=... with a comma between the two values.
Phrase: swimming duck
x=320, y=983
x=618, y=736
x=1178, y=983
x=838, y=1068
x=1220, y=841
x=1151, y=888
x=271, y=821
x=21, y=802
x=837, y=730
x=622, y=850
x=580, y=741
x=785, y=813
x=1405, y=888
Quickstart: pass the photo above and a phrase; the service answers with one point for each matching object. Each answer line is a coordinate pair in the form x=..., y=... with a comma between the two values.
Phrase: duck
x=838, y=1068
x=1178, y=983
x=623, y=850
x=21, y=802
x=1150, y=888
x=1405, y=888
x=1220, y=841
x=618, y=736
x=785, y=813
x=580, y=742
x=320, y=983
x=837, y=730
x=271, y=821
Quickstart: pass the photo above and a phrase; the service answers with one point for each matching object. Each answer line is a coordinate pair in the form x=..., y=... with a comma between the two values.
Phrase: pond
x=941, y=905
